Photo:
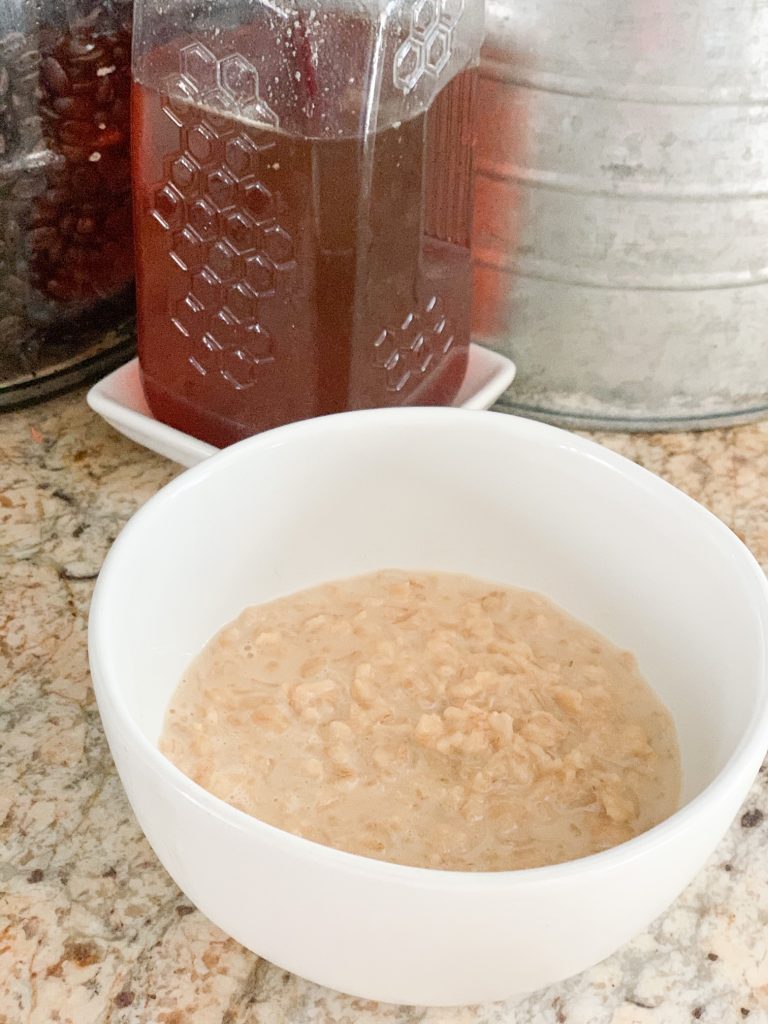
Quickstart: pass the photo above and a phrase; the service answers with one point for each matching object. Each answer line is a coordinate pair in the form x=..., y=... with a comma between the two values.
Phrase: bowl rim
x=745, y=757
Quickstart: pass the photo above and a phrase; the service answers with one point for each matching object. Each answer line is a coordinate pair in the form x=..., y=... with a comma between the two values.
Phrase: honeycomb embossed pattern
x=213, y=183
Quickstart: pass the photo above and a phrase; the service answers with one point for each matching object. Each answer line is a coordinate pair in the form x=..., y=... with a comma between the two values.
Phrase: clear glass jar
x=66, y=266
x=303, y=199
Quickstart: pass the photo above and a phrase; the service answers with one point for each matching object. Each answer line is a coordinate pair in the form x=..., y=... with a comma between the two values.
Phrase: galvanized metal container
x=621, y=240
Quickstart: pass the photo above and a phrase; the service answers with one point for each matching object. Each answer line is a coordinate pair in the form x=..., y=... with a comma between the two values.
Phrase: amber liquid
x=281, y=278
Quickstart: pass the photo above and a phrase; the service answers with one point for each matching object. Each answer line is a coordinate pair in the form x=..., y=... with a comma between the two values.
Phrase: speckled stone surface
x=92, y=930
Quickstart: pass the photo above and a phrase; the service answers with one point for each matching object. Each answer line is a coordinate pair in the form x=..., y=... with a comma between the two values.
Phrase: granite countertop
x=91, y=927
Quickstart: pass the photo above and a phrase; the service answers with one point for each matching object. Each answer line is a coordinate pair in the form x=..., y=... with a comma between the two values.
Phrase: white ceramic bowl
x=495, y=496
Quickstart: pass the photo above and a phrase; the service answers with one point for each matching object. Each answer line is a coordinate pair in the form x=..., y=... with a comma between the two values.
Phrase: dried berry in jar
x=66, y=263
x=80, y=229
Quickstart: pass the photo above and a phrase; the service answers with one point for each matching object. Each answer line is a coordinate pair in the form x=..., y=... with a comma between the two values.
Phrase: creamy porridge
x=428, y=719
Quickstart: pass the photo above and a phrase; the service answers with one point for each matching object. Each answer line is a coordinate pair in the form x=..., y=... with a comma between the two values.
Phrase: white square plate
x=119, y=399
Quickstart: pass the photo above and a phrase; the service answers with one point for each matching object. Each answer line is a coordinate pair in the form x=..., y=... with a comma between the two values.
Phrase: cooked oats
x=429, y=719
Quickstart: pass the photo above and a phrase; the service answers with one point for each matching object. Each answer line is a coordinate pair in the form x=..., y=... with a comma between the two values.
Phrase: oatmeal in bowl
x=427, y=909
x=427, y=719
